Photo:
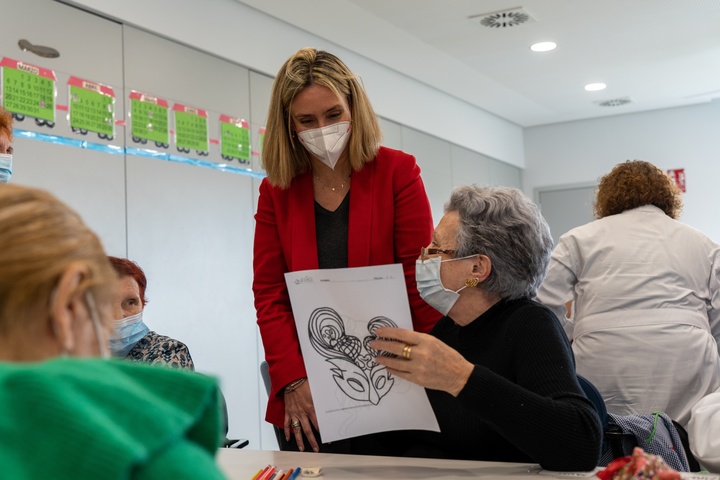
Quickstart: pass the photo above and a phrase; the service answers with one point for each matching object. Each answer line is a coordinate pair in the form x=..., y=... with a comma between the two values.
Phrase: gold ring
x=407, y=350
x=295, y=424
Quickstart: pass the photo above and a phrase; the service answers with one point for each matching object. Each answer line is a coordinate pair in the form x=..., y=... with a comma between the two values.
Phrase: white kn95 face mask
x=326, y=143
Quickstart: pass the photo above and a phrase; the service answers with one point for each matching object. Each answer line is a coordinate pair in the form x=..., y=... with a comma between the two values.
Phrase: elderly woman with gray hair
x=498, y=367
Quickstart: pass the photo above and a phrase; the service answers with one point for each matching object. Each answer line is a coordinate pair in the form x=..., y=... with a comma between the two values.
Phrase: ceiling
x=657, y=53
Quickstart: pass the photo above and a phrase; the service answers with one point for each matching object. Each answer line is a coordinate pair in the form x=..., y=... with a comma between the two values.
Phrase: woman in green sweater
x=66, y=413
x=498, y=368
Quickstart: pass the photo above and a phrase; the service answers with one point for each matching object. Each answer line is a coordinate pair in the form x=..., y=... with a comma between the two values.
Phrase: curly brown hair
x=636, y=183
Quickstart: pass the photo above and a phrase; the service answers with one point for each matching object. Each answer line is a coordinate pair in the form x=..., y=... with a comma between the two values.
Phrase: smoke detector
x=614, y=102
x=503, y=18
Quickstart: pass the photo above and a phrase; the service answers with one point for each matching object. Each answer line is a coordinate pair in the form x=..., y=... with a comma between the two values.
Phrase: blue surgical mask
x=128, y=331
x=430, y=287
x=5, y=167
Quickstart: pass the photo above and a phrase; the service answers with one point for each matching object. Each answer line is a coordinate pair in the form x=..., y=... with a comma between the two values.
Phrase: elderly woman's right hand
x=299, y=408
x=422, y=359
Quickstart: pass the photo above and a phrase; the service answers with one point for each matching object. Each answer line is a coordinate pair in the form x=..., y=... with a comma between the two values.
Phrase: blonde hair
x=40, y=237
x=283, y=155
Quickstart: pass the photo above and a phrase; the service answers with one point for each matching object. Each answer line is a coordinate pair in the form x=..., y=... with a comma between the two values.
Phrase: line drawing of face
x=354, y=368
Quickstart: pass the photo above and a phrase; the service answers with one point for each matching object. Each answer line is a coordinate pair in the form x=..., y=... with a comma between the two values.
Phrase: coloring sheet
x=336, y=314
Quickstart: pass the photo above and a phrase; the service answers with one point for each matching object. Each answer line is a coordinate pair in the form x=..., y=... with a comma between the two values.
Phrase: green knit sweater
x=102, y=419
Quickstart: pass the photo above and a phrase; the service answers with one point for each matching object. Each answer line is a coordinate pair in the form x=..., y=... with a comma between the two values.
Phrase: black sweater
x=522, y=402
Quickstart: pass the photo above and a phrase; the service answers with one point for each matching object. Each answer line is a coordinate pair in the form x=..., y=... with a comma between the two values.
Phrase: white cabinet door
x=85, y=176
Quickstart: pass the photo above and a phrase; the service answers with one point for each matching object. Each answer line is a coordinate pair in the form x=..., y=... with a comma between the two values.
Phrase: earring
x=472, y=282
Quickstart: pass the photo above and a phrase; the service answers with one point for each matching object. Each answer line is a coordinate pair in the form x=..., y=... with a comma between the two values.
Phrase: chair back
x=229, y=442
x=593, y=394
x=655, y=433
x=265, y=374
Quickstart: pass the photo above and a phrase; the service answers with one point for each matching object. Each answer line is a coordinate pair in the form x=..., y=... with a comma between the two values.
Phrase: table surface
x=243, y=464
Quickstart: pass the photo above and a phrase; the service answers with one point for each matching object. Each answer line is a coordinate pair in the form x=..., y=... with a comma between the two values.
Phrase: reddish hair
x=128, y=268
x=6, y=122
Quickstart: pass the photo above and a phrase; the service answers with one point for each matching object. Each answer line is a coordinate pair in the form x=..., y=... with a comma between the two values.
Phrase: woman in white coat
x=704, y=432
x=646, y=292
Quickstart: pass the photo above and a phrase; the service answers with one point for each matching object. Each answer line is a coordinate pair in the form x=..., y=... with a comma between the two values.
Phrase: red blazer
x=390, y=220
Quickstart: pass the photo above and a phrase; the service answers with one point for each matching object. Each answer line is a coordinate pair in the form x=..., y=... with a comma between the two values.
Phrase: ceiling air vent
x=614, y=102
x=503, y=18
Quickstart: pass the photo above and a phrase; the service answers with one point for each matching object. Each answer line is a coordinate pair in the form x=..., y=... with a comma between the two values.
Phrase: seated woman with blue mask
x=67, y=414
x=133, y=339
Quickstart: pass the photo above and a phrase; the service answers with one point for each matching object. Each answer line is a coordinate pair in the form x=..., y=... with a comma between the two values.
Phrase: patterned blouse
x=158, y=349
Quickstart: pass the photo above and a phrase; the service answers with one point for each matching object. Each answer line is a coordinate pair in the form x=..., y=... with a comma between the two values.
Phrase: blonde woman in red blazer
x=321, y=139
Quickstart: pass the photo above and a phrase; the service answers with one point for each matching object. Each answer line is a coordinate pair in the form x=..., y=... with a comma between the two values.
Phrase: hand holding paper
x=299, y=408
x=422, y=359
x=338, y=313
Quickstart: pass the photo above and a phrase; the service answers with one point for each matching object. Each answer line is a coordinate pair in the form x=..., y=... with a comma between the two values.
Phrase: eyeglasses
x=425, y=252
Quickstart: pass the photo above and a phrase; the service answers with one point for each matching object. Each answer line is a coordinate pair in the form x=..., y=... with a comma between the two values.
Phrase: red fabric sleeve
x=272, y=303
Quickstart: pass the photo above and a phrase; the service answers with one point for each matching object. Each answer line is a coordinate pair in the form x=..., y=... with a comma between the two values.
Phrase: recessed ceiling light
x=543, y=46
x=594, y=87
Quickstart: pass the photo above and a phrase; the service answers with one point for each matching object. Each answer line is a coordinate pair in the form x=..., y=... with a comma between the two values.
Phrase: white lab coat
x=704, y=432
x=646, y=292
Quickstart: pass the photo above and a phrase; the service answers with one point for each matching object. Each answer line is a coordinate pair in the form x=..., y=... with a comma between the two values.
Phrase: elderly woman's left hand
x=431, y=363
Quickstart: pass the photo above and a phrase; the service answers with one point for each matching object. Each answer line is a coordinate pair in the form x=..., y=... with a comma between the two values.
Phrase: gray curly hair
x=502, y=223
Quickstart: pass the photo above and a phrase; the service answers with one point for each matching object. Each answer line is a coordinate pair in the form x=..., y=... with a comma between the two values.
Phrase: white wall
x=683, y=137
x=241, y=34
